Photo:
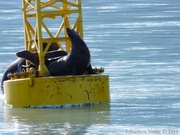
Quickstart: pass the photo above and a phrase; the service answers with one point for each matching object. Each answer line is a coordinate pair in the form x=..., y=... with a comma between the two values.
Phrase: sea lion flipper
x=89, y=70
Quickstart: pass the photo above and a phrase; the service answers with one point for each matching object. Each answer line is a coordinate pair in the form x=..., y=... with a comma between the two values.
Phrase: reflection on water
x=55, y=120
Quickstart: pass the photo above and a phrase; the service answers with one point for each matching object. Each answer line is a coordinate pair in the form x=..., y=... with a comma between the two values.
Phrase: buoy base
x=61, y=90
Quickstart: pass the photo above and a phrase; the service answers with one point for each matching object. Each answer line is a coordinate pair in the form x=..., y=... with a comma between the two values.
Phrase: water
x=137, y=42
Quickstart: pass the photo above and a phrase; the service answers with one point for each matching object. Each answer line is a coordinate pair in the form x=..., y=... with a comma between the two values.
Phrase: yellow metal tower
x=45, y=21
x=37, y=16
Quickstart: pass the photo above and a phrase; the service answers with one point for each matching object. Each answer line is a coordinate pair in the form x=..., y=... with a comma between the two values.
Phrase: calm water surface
x=138, y=44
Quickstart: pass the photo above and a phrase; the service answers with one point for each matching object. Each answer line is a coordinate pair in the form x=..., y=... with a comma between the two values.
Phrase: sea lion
x=53, y=46
x=79, y=55
x=76, y=62
x=18, y=65
x=14, y=67
x=32, y=57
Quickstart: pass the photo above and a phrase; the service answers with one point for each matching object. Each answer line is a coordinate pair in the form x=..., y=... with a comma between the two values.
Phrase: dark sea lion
x=12, y=68
x=32, y=57
x=52, y=47
x=76, y=62
x=81, y=53
x=19, y=64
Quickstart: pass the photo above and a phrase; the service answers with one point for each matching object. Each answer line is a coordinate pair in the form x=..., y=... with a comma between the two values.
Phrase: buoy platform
x=33, y=88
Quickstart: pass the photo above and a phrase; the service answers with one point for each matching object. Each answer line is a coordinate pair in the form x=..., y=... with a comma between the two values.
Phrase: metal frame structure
x=27, y=89
x=35, y=15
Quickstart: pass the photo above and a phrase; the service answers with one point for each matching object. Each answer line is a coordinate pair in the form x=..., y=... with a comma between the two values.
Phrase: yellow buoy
x=31, y=89
x=81, y=89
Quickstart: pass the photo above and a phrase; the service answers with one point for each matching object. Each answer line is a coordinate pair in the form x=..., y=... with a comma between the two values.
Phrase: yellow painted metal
x=57, y=90
x=36, y=16
x=30, y=89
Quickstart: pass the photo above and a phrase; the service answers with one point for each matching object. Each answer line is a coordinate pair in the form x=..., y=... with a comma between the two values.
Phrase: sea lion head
x=31, y=57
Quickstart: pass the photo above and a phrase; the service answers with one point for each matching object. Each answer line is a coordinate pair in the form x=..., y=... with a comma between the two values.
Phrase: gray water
x=138, y=44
